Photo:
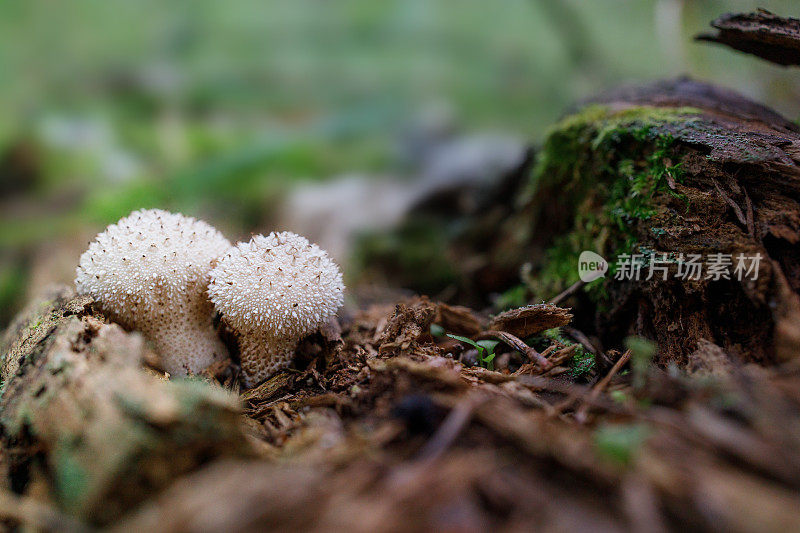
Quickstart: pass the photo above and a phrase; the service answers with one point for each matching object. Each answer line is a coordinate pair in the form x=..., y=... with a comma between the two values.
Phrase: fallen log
x=86, y=428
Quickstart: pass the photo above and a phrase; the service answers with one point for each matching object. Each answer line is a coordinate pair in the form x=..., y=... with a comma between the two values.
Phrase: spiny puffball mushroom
x=150, y=272
x=273, y=291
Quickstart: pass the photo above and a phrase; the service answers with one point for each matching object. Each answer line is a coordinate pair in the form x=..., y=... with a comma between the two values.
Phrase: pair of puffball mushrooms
x=165, y=274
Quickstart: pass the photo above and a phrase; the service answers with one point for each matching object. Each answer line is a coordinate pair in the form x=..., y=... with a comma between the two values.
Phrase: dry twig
x=580, y=415
x=519, y=345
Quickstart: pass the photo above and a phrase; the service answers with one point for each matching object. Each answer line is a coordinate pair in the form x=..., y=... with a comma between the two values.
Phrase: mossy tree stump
x=667, y=171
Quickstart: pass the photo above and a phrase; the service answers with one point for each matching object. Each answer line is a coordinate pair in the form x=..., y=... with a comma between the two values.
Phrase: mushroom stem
x=197, y=337
x=262, y=357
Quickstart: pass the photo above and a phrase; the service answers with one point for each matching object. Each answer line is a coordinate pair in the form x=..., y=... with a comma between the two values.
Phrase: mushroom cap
x=278, y=286
x=150, y=266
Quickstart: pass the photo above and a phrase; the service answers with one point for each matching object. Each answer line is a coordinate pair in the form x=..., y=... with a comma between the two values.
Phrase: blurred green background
x=219, y=108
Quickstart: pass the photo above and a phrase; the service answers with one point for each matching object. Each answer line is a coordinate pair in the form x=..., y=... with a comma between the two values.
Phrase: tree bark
x=86, y=427
x=762, y=34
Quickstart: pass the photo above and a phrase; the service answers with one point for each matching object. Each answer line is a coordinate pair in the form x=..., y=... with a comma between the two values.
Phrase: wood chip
x=530, y=320
x=458, y=319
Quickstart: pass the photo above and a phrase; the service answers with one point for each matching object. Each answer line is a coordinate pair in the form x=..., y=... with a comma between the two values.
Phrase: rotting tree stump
x=669, y=171
x=666, y=171
x=86, y=427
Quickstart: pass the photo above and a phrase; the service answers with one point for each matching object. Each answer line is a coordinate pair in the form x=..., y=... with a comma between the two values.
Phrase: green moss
x=582, y=363
x=605, y=167
x=564, y=155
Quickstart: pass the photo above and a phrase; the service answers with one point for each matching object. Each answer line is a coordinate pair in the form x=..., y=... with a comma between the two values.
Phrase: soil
x=381, y=427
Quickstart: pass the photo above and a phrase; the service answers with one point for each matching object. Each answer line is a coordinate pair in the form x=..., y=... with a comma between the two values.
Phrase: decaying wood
x=732, y=152
x=458, y=319
x=530, y=320
x=763, y=34
x=735, y=192
x=84, y=423
x=728, y=172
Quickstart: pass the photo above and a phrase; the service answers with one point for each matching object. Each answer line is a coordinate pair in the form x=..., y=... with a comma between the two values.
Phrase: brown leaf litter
x=393, y=433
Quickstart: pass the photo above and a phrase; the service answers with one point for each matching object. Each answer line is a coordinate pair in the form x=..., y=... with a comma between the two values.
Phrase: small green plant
x=582, y=362
x=485, y=349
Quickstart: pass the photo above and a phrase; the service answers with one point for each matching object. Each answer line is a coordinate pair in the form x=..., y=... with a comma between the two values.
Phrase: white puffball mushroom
x=150, y=272
x=274, y=291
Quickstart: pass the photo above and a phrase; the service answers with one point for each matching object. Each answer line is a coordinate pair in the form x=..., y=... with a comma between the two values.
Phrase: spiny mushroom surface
x=273, y=291
x=150, y=272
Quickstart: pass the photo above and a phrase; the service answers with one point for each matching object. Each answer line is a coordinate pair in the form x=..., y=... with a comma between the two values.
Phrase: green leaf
x=468, y=341
x=486, y=362
x=489, y=361
x=489, y=345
